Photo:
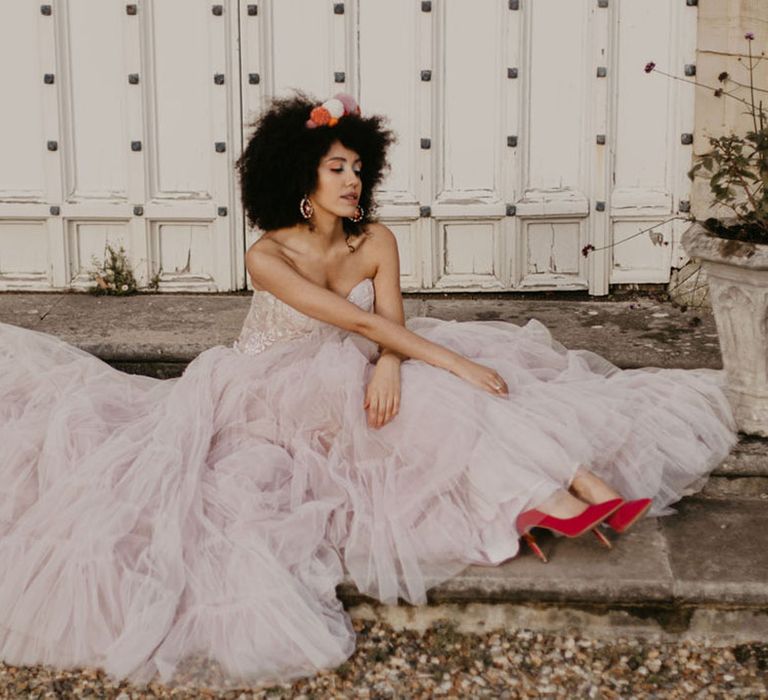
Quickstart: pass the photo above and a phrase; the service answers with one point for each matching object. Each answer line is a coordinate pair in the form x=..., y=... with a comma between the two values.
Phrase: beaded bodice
x=271, y=320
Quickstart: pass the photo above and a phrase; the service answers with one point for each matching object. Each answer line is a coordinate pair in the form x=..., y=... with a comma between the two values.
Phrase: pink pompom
x=349, y=102
x=311, y=124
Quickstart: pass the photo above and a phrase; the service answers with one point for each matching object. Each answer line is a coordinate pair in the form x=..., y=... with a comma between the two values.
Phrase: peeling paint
x=552, y=260
x=188, y=267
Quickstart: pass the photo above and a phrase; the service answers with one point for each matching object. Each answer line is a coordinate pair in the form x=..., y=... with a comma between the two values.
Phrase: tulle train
x=194, y=529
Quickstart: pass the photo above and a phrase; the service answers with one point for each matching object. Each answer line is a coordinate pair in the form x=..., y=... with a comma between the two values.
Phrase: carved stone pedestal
x=737, y=273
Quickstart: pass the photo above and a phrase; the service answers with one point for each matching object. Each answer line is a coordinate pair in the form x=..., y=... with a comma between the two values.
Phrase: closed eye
x=341, y=170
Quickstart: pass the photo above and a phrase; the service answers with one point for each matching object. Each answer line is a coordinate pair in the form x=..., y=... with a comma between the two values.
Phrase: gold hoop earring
x=306, y=208
x=359, y=214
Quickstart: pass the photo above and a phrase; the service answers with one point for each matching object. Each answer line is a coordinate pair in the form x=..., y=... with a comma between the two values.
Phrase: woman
x=194, y=529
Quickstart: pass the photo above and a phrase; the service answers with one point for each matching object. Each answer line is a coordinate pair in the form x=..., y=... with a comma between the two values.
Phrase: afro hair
x=279, y=164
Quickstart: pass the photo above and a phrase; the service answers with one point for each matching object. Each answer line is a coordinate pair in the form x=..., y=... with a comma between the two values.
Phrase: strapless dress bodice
x=270, y=320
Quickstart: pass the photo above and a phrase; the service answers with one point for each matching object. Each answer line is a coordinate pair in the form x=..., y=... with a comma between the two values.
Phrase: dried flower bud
x=723, y=76
x=649, y=66
x=585, y=250
x=749, y=36
x=718, y=92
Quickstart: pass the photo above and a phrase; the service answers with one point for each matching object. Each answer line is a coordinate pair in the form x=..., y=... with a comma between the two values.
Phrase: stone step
x=162, y=332
x=743, y=474
x=698, y=572
x=701, y=571
x=748, y=458
x=728, y=488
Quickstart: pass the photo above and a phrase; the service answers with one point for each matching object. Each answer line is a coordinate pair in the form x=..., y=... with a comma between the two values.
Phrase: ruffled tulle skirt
x=193, y=530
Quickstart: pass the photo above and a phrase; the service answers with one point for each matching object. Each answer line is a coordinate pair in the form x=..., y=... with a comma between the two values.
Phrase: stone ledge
x=705, y=557
x=175, y=328
x=748, y=458
x=741, y=487
x=657, y=622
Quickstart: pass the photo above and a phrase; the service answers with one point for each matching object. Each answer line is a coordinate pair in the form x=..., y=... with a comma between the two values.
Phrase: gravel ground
x=444, y=663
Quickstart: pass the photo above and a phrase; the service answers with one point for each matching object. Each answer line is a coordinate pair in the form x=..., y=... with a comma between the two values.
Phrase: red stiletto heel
x=530, y=540
x=625, y=516
x=602, y=539
x=570, y=527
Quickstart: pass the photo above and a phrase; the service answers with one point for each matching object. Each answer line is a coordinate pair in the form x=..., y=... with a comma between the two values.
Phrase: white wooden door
x=544, y=135
x=122, y=129
x=527, y=130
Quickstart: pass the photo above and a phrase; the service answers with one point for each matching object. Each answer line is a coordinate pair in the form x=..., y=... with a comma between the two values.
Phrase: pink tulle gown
x=193, y=530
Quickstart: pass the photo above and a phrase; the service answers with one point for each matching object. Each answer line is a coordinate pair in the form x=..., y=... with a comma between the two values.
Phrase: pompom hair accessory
x=330, y=111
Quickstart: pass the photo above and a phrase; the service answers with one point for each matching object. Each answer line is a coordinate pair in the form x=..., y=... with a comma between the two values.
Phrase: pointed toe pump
x=592, y=516
x=628, y=513
x=623, y=518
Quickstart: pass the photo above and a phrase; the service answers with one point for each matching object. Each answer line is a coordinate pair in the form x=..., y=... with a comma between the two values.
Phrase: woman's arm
x=382, y=392
x=273, y=274
x=388, y=298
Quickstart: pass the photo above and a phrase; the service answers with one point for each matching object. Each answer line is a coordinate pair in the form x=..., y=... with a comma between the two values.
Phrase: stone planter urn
x=737, y=273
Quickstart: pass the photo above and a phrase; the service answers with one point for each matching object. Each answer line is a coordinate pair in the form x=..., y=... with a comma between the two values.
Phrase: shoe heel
x=602, y=539
x=530, y=540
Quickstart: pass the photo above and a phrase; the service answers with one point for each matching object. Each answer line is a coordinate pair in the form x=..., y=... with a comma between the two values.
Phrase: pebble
x=442, y=662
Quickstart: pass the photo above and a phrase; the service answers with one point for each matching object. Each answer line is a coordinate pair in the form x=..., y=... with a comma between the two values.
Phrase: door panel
x=520, y=139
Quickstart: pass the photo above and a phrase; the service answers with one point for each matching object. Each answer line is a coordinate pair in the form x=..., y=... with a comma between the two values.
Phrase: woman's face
x=338, y=181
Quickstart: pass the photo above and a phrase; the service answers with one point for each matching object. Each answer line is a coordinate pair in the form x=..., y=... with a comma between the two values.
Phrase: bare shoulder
x=271, y=240
x=384, y=258
x=380, y=234
x=270, y=246
x=266, y=245
x=381, y=239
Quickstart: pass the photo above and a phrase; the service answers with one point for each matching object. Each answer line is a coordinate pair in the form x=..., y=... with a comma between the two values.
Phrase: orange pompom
x=333, y=121
x=320, y=115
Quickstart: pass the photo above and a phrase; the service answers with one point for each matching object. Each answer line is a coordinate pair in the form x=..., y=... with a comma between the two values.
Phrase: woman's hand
x=481, y=376
x=382, y=395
